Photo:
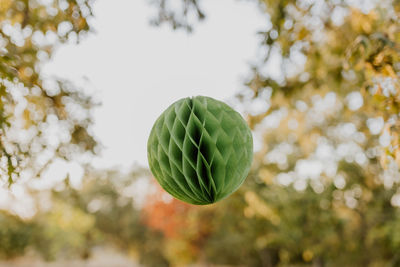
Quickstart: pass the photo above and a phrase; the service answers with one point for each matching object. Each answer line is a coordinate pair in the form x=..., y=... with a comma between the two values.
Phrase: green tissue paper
x=200, y=150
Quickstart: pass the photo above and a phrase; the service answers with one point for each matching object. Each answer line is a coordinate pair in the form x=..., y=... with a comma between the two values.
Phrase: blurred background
x=82, y=82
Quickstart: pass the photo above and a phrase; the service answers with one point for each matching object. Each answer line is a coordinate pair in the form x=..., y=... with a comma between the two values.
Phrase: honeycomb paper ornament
x=200, y=150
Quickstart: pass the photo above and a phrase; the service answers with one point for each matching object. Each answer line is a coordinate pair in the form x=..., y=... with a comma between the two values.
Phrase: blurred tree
x=177, y=16
x=329, y=132
x=40, y=115
x=113, y=200
x=323, y=103
x=165, y=213
x=15, y=235
x=184, y=227
x=64, y=231
x=70, y=222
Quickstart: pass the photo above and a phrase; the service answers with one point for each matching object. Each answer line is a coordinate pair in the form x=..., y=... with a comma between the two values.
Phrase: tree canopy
x=41, y=118
x=323, y=103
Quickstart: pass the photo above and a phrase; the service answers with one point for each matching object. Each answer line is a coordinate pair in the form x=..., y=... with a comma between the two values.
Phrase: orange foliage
x=164, y=213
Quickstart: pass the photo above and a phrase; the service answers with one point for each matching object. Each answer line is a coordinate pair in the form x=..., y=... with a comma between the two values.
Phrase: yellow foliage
x=266, y=176
x=308, y=255
x=363, y=22
x=17, y=18
x=179, y=251
x=5, y=5
x=71, y=218
x=256, y=206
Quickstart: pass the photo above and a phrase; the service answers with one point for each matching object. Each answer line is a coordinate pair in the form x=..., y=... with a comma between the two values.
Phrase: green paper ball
x=200, y=150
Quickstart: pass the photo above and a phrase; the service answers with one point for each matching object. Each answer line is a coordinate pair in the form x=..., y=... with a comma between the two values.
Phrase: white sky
x=139, y=70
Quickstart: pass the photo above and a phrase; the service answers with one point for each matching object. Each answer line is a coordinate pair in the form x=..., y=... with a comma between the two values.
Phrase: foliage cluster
x=41, y=118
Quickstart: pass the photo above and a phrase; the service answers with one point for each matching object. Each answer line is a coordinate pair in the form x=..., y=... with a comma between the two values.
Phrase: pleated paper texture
x=200, y=150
